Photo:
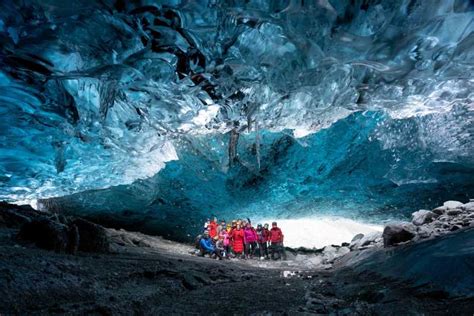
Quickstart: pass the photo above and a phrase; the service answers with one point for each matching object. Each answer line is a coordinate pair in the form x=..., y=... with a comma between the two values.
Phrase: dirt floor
x=150, y=276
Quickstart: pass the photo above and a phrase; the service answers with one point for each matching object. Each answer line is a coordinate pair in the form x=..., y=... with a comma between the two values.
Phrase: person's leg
x=255, y=248
x=272, y=251
x=265, y=250
x=282, y=251
x=246, y=249
x=218, y=254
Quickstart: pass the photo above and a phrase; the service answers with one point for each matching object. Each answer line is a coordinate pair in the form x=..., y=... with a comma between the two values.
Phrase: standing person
x=224, y=237
x=276, y=239
x=262, y=237
x=213, y=227
x=237, y=238
x=267, y=241
x=250, y=240
x=221, y=227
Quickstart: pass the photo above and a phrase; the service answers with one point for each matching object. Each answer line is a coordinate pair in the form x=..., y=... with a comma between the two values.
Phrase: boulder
x=422, y=217
x=454, y=211
x=397, y=233
x=12, y=219
x=440, y=210
x=46, y=234
x=455, y=227
x=73, y=239
x=357, y=237
x=370, y=238
x=468, y=207
x=92, y=237
x=425, y=231
x=452, y=204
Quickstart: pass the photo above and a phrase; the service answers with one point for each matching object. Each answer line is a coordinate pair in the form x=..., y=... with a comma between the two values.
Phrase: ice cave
x=126, y=125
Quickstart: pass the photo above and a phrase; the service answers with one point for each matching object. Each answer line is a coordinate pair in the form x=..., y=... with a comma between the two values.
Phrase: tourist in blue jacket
x=207, y=247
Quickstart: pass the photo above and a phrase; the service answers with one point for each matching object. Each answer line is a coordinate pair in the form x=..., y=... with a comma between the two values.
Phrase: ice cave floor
x=145, y=275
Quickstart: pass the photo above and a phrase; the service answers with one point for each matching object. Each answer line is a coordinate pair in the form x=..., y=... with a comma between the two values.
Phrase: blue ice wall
x=136, y=106
x=344, y=170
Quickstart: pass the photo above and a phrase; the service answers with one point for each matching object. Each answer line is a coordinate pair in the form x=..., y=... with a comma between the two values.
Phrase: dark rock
x=46, y=234
x=12, y=219
x=455, y=227
x=397, y=233
x=440, y=210
x=14, y=216
x=454, y=211
x=92, y=237
x=73, y=239
x=345, y=244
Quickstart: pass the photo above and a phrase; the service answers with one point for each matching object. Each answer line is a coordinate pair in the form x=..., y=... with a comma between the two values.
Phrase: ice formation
x=175, y=109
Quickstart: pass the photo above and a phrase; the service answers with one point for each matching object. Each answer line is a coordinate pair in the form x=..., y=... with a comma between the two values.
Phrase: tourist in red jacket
x=262, y=239
x=212, y=228
x=237, y=238
x=276, y=240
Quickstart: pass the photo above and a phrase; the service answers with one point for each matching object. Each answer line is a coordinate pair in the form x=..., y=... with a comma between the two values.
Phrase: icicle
x=257, y=144
x=233, y=141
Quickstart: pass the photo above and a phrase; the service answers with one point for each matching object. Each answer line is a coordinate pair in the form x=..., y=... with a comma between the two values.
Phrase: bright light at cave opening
x=321, y=231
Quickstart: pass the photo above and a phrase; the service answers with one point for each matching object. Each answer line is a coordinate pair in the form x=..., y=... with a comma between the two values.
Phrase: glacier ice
x=341, y=104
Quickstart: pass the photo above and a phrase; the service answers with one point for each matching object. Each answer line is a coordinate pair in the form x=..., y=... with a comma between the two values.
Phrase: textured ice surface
x=99, y=94
x=344, y=170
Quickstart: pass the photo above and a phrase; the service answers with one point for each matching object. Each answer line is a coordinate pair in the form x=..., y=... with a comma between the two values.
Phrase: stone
x=440, y=210
x=424, y=231
x=370, y=238
x=12, y=219
x=357, y=237
x=453, y=212
x=73, y=239
x=444, y=218
x=92, y=237
x=397, y=233
x=423, y=216
x=468, y=207
x=46, y=234
x=455, y=227
x=452, y=204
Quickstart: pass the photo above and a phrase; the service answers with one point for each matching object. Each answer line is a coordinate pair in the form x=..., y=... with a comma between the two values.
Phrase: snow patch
x=321, y=231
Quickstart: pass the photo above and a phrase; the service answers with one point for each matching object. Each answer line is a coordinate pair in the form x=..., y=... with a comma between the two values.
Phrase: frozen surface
x=320, y=232
x=162, y=113
x=97, y=94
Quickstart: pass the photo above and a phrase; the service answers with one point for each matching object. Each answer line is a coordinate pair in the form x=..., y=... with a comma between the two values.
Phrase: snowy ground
x=317, y=232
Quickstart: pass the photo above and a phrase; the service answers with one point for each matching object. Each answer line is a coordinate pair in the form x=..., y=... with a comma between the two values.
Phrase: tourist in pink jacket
x=224, y=236
x=250, y=240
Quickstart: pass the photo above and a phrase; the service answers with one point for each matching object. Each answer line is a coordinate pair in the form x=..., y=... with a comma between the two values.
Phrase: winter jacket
x=224, y=236
x=267, y=234
x=276, y=235
x=262, y=236
x=237, y=237
x=206, y=244
x=212, y=229
x=250, y=235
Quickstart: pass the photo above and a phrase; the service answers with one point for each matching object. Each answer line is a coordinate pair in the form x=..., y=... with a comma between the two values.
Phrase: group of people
x=240, y=239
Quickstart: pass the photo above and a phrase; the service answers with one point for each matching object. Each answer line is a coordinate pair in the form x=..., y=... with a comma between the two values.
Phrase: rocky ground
x=53, y=265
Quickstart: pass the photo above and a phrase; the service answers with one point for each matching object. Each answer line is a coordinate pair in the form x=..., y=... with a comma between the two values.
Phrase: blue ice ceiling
x=261, y=105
